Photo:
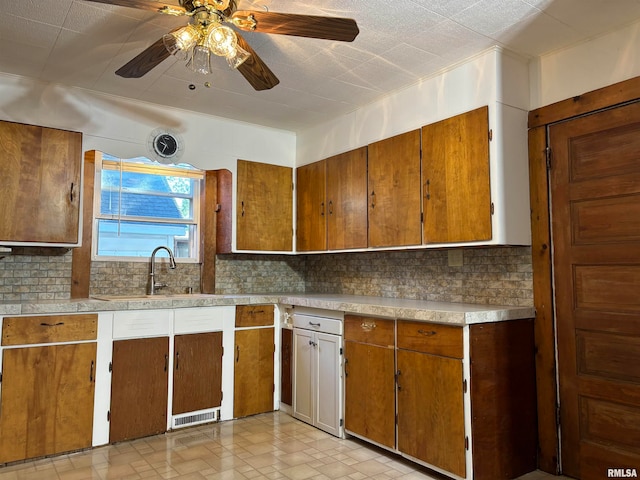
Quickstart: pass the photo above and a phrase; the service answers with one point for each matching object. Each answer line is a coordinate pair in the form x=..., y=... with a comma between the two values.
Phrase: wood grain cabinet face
x=264, y=214
x=253, y=374
x=197, y=372
x=286, y=365
x=47, y=400
x=394, y=191
x=331, y=200
x=370, y=404
x=40, y=184
x=139, y=388
x=455, y=179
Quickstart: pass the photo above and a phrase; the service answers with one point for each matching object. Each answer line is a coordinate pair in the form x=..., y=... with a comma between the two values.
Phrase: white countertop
x=438, y=312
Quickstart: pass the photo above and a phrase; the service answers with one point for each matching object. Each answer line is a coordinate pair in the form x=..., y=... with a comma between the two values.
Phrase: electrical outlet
x=456, y=258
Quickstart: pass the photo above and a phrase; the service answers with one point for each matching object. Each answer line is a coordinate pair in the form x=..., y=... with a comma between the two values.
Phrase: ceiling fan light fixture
x=200, y=60
x=238, y=57
x=222, y=41
x=180, y=42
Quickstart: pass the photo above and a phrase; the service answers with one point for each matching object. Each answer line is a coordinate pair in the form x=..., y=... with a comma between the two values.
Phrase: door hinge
x=466, y=443
x=464, y=386
x=493, y=208
x=340, y=350
x=223, y=351
x=396, y=418
x=548, y=157
x=421, y=217
x=221, y=395
x=342, y=422
x=490, y=134
x=108, y=415
x=111, y=366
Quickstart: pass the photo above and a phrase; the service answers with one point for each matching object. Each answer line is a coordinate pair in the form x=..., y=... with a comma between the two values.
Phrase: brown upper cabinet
x=455, y=179
x=394, y=191
x=332, y=203
x=40, y=184
x=264, y=210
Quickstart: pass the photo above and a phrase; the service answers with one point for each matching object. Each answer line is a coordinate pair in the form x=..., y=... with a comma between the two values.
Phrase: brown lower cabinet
x=139, y=388
x=253, y=374
x=369, y=379
x=47, y=400
x=286, y=365
x=197, y=372
x=431, y=385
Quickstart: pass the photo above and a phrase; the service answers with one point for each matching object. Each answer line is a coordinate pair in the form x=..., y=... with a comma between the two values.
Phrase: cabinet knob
x=427, y=189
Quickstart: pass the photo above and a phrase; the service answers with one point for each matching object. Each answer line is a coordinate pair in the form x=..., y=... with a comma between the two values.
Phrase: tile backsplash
x=496, y=275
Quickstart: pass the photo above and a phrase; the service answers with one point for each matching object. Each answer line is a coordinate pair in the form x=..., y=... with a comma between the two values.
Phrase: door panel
x=286, y=366
x=328, y=396
x=311, y=213
x=303, y=374
x=197, y=372
x=253, y=376
x=595, y=197
x=139, y=388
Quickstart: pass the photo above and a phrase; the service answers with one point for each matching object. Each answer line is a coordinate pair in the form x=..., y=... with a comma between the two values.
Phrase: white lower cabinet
x=317, y=385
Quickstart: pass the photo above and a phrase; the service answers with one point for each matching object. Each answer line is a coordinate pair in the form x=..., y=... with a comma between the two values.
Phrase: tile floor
x=268, y=446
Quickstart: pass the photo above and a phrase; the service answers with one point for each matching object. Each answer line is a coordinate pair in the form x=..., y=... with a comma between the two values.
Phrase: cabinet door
x=455, y=176
x=197, y=372
x=139, y=388
x=370, y=404
x=254, y=369
x=347, y=200
x=47, y=400
x=431, y=411
x=394, y=191
x=40, y=182
x=286, y=366
x=328, y=395
x=303, y=373
x=264, y=216
x=311, y=214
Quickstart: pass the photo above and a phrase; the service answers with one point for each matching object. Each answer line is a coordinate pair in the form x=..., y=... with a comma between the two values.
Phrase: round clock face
x=165, y=145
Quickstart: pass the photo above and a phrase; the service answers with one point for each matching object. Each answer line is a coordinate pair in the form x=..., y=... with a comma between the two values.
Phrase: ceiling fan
x=206, y=33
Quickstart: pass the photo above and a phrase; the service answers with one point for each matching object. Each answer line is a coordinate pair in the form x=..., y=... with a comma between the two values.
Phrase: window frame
x=130, y=165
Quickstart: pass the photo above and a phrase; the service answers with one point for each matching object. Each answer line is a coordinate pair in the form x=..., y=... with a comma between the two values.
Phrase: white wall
x=600, y=62
x=122, y=127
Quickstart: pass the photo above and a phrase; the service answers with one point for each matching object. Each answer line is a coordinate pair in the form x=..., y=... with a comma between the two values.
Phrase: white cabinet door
x=303, y=373
x=317, y=378
x=328, y=391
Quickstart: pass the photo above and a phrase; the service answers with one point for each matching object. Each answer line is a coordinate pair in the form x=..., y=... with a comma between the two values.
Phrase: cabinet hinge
x=0, y=377
x=111, y=366
x=340, y=350
x=342, y=422
x=274, y=388
x=421, y=217
x=108, y=415
x=221, y=395
x=490, y=134
x=547, y=152
x=466, y=443
x=464, y=386
x=493, y=209
x=223, y=351
x=396, y=418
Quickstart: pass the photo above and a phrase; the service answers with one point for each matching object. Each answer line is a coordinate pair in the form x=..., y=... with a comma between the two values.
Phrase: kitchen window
x=140, y=205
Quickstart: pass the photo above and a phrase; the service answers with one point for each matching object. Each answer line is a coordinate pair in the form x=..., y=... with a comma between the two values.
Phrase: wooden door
x=264, y=216
x=595, y=197
x=254, y=368
x=311, y=213
x=286, y=365
x=370, y=392
x=455, y=179
x=394, y=191
x=40, y=182
x=139, y=388
x=197, y=372
x=430, y=410
x=47, y=400
x=347, y=200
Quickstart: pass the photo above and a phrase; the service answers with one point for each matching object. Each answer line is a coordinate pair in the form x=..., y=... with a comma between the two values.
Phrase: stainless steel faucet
x=153, y=285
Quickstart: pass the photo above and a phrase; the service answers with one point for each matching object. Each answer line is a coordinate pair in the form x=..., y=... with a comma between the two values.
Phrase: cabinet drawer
x=49, y=329
x=373, y=331
x=254, y=315
x=430, y=338
x=318, y=324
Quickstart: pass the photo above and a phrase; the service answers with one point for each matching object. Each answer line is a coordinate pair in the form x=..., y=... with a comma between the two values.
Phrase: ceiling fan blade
x=328, y=28
x=146, y=61
x=255, y=70
x=141, y=4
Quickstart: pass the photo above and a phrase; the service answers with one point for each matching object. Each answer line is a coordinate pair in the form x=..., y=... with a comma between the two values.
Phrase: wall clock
x=165, y=146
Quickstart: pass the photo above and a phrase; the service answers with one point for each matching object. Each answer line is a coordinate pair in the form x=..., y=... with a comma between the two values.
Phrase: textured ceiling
x=81, y=43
